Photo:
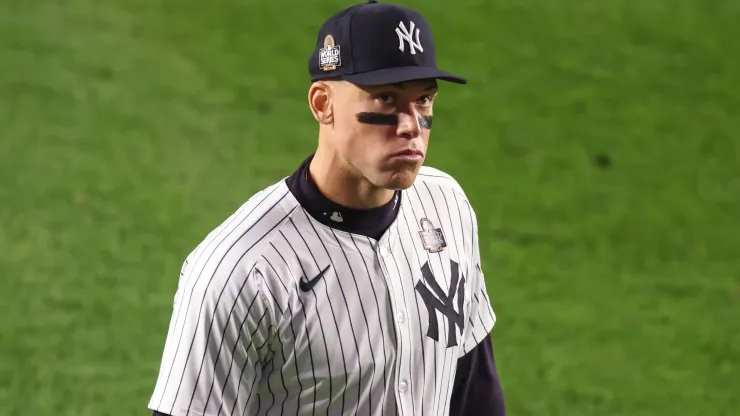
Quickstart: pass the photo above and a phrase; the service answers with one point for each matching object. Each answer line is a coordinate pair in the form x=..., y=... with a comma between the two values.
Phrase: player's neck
x=339, y=184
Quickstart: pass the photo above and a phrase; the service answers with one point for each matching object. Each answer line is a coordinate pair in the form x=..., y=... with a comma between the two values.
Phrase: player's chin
x=399, y=179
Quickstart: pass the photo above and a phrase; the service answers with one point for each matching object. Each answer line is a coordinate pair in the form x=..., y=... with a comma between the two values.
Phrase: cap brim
x=397, y=75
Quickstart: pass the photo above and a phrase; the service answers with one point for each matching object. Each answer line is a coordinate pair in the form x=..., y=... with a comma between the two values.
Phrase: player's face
x=383, y=132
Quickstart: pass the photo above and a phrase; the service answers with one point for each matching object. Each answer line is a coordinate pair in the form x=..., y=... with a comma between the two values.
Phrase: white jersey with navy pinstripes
x=258, y=329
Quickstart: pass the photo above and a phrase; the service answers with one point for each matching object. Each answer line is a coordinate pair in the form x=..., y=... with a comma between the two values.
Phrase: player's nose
x=408, y=124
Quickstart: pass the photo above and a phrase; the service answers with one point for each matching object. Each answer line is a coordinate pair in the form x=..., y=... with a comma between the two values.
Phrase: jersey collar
x=371, y=222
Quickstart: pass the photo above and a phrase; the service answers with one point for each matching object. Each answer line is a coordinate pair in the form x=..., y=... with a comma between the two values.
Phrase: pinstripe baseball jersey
x=279, y=311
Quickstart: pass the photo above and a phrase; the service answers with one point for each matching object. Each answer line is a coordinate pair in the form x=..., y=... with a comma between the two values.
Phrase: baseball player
x=354, y=285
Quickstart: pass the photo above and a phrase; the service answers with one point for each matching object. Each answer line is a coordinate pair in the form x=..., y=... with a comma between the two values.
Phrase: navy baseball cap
x=372, y=44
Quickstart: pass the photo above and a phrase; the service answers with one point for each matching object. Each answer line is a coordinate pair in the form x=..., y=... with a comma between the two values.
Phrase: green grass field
x=599, y=142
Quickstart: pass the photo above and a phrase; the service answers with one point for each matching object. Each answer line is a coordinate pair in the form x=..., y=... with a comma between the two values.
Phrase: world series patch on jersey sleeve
x=277, y=313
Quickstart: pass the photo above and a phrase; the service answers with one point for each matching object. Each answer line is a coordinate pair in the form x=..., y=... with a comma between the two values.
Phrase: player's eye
x=387, y=99
x=425, y=101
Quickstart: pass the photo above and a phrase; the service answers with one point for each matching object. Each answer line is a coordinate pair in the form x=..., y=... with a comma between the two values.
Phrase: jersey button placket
x=403, y=387
x=395, y=285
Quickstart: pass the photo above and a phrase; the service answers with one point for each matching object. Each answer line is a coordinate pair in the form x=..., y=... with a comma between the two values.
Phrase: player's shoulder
x=429, y=175
x=432, y=180
x=237, y=242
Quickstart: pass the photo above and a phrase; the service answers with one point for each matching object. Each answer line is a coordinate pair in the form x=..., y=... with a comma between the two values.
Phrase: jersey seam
x=258, y=268
x=454, y=187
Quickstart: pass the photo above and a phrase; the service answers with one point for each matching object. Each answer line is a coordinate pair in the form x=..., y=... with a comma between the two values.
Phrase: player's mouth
x=409, y=155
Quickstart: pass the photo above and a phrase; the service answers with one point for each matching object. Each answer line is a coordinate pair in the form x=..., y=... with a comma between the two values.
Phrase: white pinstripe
x=245, y=340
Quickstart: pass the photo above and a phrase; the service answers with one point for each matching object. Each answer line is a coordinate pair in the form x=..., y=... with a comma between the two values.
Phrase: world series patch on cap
x=330, y=56
x=376, y=44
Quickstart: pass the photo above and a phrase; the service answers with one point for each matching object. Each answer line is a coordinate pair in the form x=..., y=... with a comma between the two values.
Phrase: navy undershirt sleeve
x=477, y=389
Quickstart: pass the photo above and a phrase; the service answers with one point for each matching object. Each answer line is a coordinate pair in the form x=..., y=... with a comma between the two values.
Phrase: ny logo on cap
x=406, y=35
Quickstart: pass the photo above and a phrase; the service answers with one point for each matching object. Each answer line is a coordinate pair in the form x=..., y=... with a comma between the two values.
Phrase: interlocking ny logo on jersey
x=443, y=302
x=330, y=56
x=406, y=35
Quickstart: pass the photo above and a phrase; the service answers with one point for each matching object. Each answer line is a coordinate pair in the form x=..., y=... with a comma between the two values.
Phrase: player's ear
x=320, y=101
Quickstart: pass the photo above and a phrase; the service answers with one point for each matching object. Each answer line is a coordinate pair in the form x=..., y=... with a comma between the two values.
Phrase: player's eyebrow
x=431, y=86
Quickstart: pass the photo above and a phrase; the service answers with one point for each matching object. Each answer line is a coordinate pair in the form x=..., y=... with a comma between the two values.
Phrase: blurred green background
x=597, y=140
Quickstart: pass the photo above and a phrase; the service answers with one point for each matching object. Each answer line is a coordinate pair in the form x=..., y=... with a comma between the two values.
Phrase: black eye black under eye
x=425, y=122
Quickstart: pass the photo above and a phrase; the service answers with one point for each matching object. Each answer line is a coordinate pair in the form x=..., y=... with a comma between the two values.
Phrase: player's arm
x=477, y=389
x=219, y=336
